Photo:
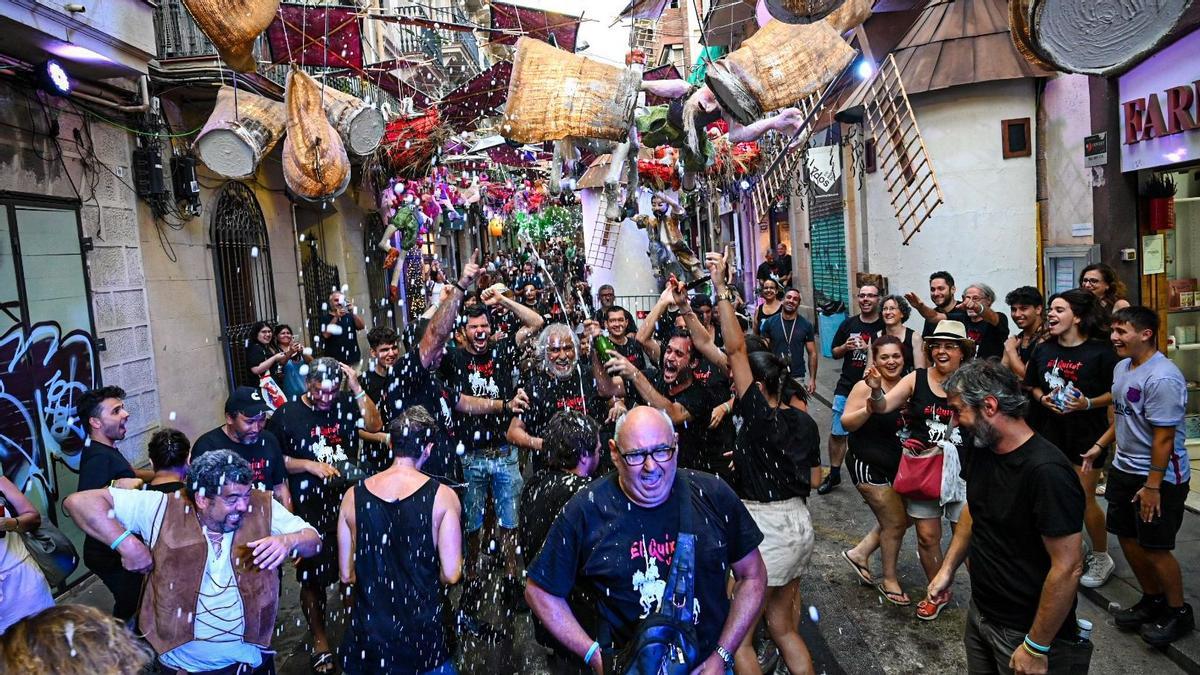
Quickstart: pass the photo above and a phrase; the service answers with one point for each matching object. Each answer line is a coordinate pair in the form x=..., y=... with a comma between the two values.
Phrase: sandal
x=928, y=610
x=863, y=572
x=900, y=599
x=322, y=663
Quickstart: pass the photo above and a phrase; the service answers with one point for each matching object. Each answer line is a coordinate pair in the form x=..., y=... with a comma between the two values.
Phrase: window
x=245, y=286
x=1015, y=138
x=41, y=266
x=1063, y=265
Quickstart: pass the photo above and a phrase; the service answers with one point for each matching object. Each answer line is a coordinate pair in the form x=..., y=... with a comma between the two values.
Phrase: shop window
x=382, y=312
x=1015, y=136
x=245, y=285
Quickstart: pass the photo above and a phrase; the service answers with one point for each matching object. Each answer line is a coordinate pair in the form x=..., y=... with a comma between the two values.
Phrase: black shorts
x=1124, y=519
x=321, y=569
x=862, y=472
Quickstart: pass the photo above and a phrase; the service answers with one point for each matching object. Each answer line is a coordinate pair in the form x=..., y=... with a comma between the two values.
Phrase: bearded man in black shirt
x=1021, y=528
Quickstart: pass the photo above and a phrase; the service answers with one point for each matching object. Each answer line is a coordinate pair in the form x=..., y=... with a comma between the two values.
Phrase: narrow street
x=848, y=627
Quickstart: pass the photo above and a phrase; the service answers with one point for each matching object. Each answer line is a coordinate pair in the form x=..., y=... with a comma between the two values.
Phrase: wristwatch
x=725, y=656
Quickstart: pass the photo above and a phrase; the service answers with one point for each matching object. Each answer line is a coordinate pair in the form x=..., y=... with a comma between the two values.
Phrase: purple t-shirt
x=1152, y=395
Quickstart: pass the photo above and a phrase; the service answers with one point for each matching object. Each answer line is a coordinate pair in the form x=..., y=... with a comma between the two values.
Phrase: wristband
x=1033, y=651
x=360, y=394
x=460, y=288
x=725, y=656
x=120, y=539
x=1040, y=650
x=591, y=652
x=1089, y=403
x=1161, y=469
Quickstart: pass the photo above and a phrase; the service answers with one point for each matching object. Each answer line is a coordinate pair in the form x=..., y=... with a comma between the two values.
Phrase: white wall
x=985, y=231
x=631, y=273
x=1068, y=187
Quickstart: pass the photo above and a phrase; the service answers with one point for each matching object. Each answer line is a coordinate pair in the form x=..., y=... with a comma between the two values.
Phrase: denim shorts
x=502, y=475
x=839, y=407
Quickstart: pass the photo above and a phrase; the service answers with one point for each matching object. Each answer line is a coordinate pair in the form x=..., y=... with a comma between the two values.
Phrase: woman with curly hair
x=1101, y=280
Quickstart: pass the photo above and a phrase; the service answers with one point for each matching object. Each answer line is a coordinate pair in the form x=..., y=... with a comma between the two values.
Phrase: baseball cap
x=247, y=401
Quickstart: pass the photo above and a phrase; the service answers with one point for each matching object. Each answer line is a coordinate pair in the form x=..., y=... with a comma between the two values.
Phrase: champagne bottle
x=604, y=347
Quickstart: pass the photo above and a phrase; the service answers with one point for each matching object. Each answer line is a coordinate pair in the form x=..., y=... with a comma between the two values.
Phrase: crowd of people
x=642, y=487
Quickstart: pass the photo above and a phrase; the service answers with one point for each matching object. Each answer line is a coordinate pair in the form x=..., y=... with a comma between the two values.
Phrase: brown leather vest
x=168, y=610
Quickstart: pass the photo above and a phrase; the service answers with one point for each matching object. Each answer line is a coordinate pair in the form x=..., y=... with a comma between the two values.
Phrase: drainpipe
x=91, y=94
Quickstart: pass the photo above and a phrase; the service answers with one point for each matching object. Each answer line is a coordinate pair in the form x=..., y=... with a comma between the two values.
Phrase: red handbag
x=919, y=476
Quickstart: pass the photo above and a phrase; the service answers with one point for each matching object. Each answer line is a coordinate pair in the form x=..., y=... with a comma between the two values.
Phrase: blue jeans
x=503, y=476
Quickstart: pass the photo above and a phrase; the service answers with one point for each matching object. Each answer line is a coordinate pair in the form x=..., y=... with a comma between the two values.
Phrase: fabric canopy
x=466, y=104
x=510, y=22
x=707, y=55
x=317, y=36
x=667, y=72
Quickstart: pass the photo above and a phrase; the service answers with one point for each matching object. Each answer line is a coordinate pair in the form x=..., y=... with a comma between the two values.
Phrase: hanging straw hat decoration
x=233, y=26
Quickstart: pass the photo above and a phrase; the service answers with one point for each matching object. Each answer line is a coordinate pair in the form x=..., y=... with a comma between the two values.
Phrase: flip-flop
x=900, y=599
x=863, y=573
x=322, y=662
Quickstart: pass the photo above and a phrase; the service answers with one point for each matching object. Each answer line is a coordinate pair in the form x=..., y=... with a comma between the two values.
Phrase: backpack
x=665, y=642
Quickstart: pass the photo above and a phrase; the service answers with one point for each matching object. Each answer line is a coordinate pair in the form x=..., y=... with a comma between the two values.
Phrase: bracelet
x=360, y=394
x=1033, y=651
x=1151, y=487
x=1089, y=403
x=591, y=652
x=460, y=288
x=725, y=656
x=120, y=539
x=1161, y=469
x=1041, y=650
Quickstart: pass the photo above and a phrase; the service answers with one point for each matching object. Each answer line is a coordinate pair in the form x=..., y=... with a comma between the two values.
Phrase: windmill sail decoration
x=901, y=156
x=315, y=164
x=233, y=26
x=242, y=128
x=1099, y=37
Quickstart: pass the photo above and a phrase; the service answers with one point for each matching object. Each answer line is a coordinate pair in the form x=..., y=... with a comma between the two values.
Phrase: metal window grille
x=245, y=285
x=382, y=310
x=320, y=279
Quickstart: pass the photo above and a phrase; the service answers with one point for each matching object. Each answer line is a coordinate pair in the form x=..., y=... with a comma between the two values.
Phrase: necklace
x=215, y=541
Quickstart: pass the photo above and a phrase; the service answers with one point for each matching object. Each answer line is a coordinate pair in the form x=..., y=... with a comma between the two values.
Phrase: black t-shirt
x=264, y=455
x=789, y=340
x=329, y=436
x=766, y=270
x=782, y=265
x=549, y=394
x=1087, y=367
x=542, y=499
x=775, y=450
x=694, y=444
x=409, y=383
x=489, y=375
x=343, y=347
x=621, y=553
x=854, y=363
x=1015, y=500
x=100, y=465
x=256, y=353
x=989, y=339
x=953, y=315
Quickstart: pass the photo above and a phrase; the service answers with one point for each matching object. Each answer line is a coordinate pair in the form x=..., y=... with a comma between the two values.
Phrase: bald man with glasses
x=616, y=539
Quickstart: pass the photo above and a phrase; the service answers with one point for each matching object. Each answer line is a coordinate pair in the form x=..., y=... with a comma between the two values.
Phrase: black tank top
x=877, y=442
x=929, y=418
x=395, y=626
x=906, y=348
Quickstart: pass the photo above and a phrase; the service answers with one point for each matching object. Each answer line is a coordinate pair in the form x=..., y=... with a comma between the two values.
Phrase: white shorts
x=922, y=509
x=787, y=537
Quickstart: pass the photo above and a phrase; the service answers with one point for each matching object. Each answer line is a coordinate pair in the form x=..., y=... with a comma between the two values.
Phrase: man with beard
x=852, y=343
x=616, y=321
x=792, y=338
x=987, y=327
x=483, y=368
x=941, y=292
x=676, y=392
x=562, y=384
x=606, y=297
x=783, y=265
x=320, y=429
x=1021, y=527
x=102, y=412
x=244, y=434
x=339, y=329
x=766, y=269
x=212, y=590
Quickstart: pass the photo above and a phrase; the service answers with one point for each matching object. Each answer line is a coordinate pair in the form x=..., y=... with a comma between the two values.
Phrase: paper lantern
x=496, y=227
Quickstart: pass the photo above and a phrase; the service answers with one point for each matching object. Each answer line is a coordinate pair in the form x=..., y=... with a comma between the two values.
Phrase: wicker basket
x=233, y=26
x=777, y=67
x=554, y=94
x=315, y=164
x=850, y=14
x=801, y=11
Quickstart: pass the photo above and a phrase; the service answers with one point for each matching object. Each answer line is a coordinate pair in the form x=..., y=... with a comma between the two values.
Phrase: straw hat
x=953, y=330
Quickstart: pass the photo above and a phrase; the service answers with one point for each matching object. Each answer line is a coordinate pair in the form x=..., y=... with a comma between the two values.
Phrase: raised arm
x=442, y=322
x=531, y=321
x=619, y=365
x=858, y=410
x=882, y=403
x=735, y=340
x=645, y=333
x=372, y=422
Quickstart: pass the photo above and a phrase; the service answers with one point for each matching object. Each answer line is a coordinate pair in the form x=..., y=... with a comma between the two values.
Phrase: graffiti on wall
x=42, y=373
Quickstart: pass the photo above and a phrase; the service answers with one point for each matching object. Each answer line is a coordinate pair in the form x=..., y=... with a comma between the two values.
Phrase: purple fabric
x=535, y=23
x=297, y=35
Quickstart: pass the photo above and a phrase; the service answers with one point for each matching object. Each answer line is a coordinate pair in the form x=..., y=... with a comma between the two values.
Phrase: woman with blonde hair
x=72, y=640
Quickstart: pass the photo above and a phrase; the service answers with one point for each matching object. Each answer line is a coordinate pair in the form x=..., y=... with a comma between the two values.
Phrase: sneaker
x=1147, y=610
x=831, y=481
x=1098, y=570
x=1174, y=624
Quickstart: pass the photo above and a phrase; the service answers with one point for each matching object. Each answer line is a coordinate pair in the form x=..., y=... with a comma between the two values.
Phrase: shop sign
x=1160, y=108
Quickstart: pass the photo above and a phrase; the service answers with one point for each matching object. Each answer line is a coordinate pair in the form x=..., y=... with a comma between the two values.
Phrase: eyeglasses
x=662, y=453
x=1089, y=282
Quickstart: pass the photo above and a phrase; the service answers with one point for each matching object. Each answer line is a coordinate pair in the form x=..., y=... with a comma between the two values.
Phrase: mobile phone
x=698, y=282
